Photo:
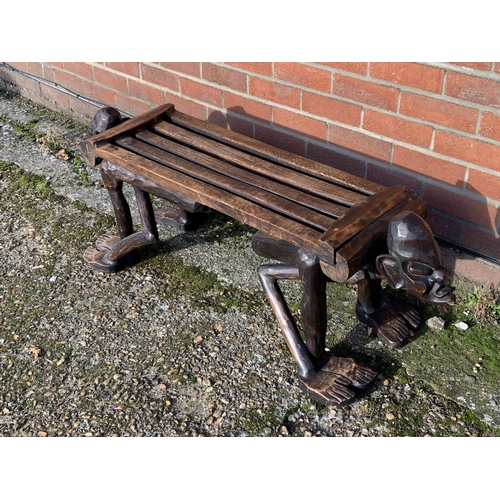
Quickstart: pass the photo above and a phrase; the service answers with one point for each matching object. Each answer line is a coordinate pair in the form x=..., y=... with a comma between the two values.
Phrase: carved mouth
x=440, y=294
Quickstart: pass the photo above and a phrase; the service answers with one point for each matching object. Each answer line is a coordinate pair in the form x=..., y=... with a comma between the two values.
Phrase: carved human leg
x=392, y=321
x=112, y=253
x=328, y=379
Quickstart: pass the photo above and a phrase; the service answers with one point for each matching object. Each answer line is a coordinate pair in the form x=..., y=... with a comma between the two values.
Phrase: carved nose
x=438, y=275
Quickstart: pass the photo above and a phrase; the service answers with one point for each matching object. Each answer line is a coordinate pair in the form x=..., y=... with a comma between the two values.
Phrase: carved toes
x=393, y=324
x=96, y=259
x=328, y=388
x=106, y=242
x=358, y=374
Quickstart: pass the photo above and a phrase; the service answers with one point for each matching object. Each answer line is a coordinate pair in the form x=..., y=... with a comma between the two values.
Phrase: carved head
x=104, y=119
x=414, y=260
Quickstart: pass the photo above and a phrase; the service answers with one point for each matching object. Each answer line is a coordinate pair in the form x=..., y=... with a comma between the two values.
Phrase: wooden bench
x=322, y=223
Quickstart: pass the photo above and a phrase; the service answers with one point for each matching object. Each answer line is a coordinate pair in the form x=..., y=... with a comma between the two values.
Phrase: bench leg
x=327, y=379
x=392, y=321
x=112, y=253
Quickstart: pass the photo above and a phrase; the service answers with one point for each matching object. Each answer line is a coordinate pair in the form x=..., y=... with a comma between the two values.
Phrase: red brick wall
x=432, y=127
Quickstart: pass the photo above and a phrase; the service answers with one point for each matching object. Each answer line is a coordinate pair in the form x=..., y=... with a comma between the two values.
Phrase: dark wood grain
x=233, y=205
x=318, y=187
x=230, y=184
x=88, y=147
x=362, y=215
x=295, y=194
x=274, y=154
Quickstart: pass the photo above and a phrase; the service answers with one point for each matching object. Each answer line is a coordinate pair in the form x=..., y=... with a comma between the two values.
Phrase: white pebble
x=461, y=325
x=435, y=322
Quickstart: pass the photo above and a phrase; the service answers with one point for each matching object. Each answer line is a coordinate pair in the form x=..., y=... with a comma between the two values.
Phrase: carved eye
x=418, y=269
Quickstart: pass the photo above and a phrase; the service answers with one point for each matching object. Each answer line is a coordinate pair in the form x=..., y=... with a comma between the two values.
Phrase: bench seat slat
x=295, y=179
x=231, y=185
x=330, y=208
x=235, y=206
x=272, y=153
x=362, y=215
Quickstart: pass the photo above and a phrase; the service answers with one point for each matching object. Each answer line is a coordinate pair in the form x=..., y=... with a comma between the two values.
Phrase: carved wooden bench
x=320, y=222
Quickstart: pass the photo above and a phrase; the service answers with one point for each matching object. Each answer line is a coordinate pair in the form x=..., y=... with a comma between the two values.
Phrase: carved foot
x=328, y=388
x=393, y=324
x=331, y=384
x=358, y=374
x=98, y=258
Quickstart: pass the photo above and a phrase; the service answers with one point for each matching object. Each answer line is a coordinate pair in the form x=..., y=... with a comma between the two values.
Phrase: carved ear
x=390, y=270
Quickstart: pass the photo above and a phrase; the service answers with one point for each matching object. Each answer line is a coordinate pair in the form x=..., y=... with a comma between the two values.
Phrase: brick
x=446, y=227
x=113, y=80
x=232, y=122
x=145, y=92
x=263, y=68
x=35, y=68
x=55, y=64
x=351, y=67
x=410, y=74
x=337, y=160
x=490, y=125
x=79, y=107
x=466, y=149
x=303, y=75
x=79, y=68
x=185, y=106
x=237, y=124
x=473, y=89
x=224, y=76
x=49, y=72
x=397, y=128
x=331, y=108
x=461, y=206
x=275, y=92
x=440, y=112
x=68, y=80
x=359, y=142
x=188, y=68
x=483, y=242
x=431, y=167
x=280, y=139
x=370, y=93
x=99, y=93
x=19, y=65
x=483, y=183
x=130, y=105
x=247, y=107
x=387, y=177
x=497, y=67
x=486, y=66
x=127, y=68
x=55, y=95
x=299, y=123
x=201, y=92
x=160, y=77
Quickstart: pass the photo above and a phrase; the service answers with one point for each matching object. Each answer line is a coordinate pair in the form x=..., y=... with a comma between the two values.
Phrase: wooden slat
x=211, y=196
x=272, y=153
x=90, y=145
x=277, y=172
x=330, y=208
x=129, y=126
x=248, y=191
x=362, y=215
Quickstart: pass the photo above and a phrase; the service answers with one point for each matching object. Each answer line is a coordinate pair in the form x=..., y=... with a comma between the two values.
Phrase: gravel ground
x=183, y=344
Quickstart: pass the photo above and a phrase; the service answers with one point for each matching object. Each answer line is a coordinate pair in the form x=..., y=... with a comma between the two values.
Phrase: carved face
x=414, y=260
